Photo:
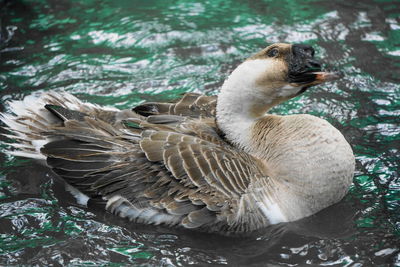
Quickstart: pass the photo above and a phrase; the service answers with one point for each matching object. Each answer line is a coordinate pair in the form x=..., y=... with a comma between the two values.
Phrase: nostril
x=309, y=50
x=313, y=64
x=312, y=51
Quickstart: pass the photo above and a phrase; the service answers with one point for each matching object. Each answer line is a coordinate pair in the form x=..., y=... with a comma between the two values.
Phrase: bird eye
x=273, y=52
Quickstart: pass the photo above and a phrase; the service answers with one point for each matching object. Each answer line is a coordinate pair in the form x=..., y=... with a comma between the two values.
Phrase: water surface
x=122, y=53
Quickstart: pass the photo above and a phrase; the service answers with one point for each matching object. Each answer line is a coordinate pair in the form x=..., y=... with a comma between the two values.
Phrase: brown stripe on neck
x=269, y=124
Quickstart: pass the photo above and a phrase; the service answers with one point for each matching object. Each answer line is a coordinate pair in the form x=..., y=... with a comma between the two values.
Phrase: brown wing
x=190, y=105
x=162, y=168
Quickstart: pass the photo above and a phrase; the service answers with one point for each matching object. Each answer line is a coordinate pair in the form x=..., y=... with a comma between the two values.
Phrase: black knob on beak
x=303, y=50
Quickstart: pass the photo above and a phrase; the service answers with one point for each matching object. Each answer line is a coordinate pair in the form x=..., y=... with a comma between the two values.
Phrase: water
x=122, y=53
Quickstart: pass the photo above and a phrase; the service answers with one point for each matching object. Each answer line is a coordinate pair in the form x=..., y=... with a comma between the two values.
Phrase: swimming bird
x=213, y=163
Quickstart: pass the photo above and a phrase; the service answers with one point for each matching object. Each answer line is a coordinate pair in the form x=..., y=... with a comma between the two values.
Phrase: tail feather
x=29, y=119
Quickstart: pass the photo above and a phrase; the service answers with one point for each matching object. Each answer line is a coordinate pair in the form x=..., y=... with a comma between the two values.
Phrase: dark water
x=121, y=53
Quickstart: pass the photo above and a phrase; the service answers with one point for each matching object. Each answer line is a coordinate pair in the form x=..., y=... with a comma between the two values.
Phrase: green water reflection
x=122, y=53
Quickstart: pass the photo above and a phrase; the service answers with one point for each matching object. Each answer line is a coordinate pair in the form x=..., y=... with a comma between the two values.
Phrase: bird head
x=275, y=74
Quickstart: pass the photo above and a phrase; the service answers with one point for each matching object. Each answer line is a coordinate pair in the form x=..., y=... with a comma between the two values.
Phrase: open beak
x=322, y=76
x=318, y=78
x=310, y=78
x=304, y=70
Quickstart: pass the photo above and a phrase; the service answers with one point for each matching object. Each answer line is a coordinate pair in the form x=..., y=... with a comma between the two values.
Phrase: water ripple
x=121, y=53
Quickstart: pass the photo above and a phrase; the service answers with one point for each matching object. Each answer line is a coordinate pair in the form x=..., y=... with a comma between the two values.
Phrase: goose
x=219, y=164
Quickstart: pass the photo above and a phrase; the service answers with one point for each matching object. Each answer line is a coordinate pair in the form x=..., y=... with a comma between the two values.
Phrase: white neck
x=233, y=119
x=238, y=101
x=308, y=161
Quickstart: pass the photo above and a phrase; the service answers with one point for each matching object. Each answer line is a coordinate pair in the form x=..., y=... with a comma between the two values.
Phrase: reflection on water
x=121, y=53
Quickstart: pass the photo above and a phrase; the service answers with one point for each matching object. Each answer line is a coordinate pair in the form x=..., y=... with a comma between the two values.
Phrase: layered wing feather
x=190, y=105
x=160, y=163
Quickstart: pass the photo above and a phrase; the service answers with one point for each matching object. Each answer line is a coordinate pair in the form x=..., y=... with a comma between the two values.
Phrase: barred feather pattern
x=159, y=163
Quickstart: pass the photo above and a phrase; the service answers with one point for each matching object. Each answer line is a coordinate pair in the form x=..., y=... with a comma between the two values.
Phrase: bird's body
x=219, y=164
